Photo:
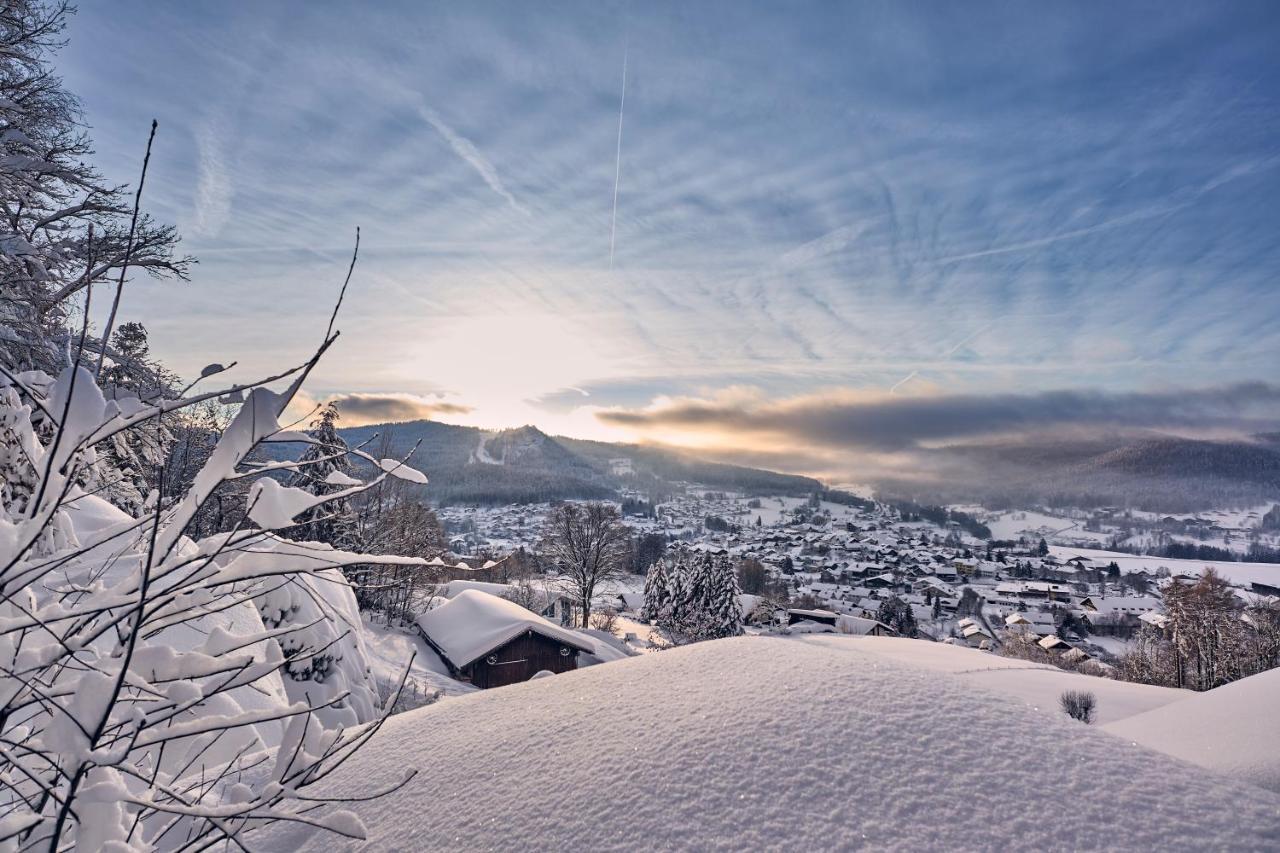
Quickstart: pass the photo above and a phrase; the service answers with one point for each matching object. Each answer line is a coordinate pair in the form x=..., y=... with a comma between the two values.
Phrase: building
x=821, y=617
x=491, y=642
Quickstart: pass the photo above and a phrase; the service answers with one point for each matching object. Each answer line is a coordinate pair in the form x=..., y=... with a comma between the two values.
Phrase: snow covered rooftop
x=473, y=623
x=832, y=707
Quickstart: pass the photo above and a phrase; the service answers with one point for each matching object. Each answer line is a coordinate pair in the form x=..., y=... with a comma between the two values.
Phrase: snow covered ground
x=389, y=648
x=1034, y=686
x=1033, y=525
x=1234, y=729
x=784, y=743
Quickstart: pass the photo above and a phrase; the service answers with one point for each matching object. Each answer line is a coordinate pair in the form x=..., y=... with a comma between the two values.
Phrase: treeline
x=1257, y=552
x=941, y=516
x=836, y=496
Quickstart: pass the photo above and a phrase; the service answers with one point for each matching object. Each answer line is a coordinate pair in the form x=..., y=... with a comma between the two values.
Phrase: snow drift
x=1234, y=729
x=772, y=743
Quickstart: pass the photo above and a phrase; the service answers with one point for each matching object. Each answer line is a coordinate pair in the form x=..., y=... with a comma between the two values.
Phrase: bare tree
x=589, y=544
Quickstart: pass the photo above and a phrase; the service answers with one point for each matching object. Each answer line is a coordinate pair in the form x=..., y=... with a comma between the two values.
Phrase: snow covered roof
x=825, y=614
x=673, y=796
x=474, y=623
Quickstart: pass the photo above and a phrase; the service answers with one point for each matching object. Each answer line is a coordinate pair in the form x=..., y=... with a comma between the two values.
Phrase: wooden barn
x=491, y=642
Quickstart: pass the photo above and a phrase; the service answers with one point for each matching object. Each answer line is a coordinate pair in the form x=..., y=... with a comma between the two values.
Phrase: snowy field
x=789, y=743
x=1033, y=525
x=1238, y=573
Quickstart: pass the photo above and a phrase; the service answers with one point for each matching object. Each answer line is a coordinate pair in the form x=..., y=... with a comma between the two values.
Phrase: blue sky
x=816, y=201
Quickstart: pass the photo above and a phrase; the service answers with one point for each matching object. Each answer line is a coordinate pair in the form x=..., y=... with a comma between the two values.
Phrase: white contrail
x=903, y=381
x=472, y=156
x=617, y=167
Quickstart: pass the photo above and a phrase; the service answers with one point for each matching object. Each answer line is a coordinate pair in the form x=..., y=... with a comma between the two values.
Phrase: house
x=822, y=617
x=1055, y=644
x=864, y=627
x=491, y=642
x=1155, y=620
x=1133, y=605
x=975, y=636
x=1040, y=624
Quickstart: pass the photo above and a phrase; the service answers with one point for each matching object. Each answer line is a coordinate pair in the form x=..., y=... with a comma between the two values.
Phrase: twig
x=128, y=252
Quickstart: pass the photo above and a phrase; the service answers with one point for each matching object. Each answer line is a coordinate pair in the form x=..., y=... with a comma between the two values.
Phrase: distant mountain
x=1145, y=468
x=1247, y=462
x=525, y=465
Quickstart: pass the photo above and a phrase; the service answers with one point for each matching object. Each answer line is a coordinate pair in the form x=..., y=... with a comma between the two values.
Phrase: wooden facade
x=516, y=660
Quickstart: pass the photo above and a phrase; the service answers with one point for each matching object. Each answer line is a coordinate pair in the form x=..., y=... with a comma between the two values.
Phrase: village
x=808, y=565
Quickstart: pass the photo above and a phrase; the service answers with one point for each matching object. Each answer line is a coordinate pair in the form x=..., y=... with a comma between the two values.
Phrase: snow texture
x=1233, y=729
x=777, y=743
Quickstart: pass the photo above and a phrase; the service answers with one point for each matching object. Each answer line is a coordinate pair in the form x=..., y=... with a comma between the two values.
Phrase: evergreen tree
x=657, y=592
x=724, y=607
x=325, y=469
x=898, y=615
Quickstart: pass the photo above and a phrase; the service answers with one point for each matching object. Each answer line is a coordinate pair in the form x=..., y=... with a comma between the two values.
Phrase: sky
x=837, y=224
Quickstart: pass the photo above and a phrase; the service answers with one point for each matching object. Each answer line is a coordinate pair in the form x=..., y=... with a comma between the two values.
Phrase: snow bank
x=1033, y=686
x=1234, y=729
x=775, y=743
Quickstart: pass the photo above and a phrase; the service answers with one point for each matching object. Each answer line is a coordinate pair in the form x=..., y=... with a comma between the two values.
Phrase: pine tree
x=657, y=592
x=324, y=469
x=725, y=607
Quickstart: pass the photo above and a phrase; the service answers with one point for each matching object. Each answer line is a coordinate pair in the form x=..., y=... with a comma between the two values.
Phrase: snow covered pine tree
x=696, y=597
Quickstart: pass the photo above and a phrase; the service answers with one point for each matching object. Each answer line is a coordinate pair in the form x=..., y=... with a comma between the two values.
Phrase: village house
x=491, y=642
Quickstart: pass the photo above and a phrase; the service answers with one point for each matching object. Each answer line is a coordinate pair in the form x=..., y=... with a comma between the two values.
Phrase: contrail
x=617, y=167
x=903, y=381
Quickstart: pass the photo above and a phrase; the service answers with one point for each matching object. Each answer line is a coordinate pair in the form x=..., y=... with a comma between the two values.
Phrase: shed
x=492, y=642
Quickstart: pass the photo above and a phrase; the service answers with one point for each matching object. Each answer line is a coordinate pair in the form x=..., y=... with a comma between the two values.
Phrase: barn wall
x=519, y=659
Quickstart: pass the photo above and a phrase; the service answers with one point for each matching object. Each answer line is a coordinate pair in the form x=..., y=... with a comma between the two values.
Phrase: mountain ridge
x=526, y=465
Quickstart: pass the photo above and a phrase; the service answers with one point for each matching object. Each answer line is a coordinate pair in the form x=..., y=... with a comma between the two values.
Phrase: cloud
x=888, y=423
x=214, y=189
x=465, y=149
x=359, y=409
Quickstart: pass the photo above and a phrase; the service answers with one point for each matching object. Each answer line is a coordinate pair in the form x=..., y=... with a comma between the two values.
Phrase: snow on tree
x=657, y=591
x=325, y=468
x=50, y=197
x=898, y=615
x=702, y=601
x=142, y=703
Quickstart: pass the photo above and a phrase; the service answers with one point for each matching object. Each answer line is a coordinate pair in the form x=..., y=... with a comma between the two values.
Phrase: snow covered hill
x=779, y=743
x=1234, y=729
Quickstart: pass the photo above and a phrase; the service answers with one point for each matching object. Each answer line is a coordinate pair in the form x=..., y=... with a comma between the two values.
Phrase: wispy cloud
x=473, y=157
x=214, y=188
